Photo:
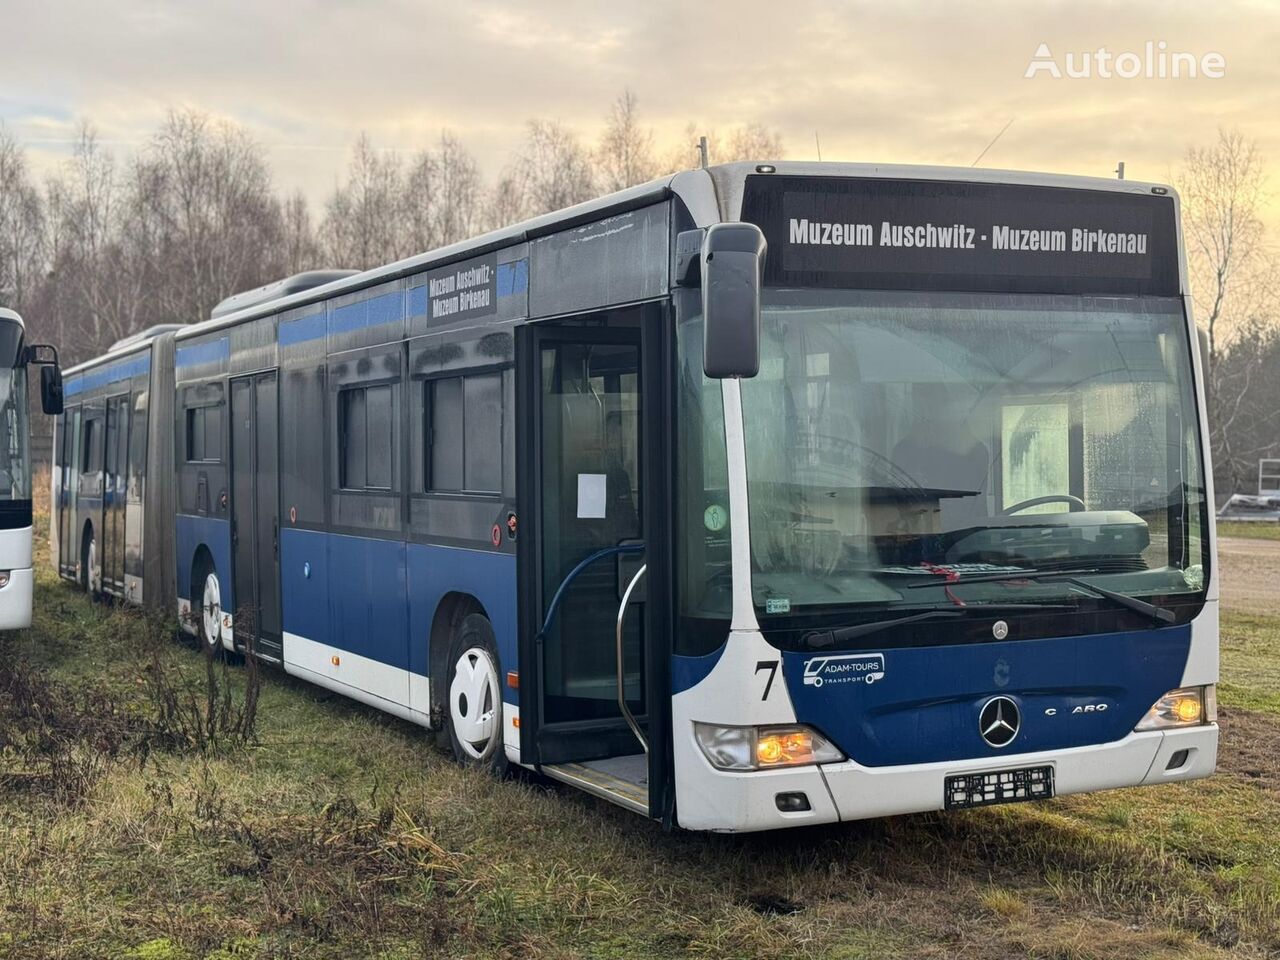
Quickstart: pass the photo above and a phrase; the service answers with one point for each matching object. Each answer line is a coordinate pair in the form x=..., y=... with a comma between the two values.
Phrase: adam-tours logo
x=1155, y=62
x=865, y=668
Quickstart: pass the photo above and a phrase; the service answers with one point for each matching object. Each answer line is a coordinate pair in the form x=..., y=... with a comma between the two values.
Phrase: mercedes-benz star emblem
x=999, y=720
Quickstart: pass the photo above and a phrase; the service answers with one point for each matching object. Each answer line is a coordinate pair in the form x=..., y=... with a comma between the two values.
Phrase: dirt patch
x=1250, y=575
x=1249, y=746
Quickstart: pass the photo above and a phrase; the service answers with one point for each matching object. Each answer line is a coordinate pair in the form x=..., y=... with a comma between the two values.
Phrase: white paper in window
x=591, y=496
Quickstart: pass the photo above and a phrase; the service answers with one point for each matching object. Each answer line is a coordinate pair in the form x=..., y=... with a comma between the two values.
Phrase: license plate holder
x=988, y=788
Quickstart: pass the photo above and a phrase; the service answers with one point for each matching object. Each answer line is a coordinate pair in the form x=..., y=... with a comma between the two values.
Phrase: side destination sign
x=943, y=235
x=463, y=290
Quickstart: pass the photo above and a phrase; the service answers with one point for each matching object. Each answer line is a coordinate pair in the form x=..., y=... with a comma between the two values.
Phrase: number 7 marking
x=772, y=667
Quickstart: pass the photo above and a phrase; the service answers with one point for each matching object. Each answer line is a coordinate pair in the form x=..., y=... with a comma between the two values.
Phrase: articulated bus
x=761, y=495
x=16, y=355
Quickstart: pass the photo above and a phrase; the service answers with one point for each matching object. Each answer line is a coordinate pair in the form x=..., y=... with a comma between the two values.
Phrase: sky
x=909, y=82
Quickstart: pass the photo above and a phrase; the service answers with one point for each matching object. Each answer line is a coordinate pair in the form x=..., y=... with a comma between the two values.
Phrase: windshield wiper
x=828, y=638
x=1163, y=614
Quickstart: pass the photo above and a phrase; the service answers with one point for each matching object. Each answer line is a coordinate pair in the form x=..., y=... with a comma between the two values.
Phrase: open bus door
x=595, y=630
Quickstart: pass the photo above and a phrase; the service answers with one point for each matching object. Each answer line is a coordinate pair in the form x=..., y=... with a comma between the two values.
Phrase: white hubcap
x=473, y=701
x=94, y=583
x=211, y=606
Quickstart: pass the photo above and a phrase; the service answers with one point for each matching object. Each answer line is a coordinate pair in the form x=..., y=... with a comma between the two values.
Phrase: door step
x=620, y=780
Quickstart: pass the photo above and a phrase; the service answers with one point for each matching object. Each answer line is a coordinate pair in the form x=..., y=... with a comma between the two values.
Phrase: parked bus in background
x=16, y=575
x=760, y=495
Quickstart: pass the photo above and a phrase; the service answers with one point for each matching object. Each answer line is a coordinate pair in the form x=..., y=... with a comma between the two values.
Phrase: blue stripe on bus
x=513, y=278
x=417, y=305
x=112, y=373
x=377, y=598
x=387, y=308
x=311, y=327
x=192, y=532
x=210, y=352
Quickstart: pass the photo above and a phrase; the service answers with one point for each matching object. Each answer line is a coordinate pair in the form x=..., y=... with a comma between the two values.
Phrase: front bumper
x=743, y=802
x=15, y=599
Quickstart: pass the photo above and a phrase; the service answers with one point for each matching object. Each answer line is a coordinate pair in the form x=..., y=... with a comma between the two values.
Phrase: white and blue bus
x=16, y=356
x=761, y=495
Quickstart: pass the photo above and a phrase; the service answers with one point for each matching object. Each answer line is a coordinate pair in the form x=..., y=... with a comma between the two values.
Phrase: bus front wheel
x=475, y=696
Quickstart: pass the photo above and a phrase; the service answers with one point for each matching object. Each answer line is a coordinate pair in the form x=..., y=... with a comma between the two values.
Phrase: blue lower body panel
x=378, y=598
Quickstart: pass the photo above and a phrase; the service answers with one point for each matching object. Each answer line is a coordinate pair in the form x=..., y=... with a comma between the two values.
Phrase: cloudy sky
x=891, y=81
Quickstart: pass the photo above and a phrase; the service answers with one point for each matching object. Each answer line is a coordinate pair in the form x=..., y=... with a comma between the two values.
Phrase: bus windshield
x=15, y=472
x=897, y=443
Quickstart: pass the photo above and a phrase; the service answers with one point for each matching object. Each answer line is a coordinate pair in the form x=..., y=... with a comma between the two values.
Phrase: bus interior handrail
x=614, y=551
x=622, y=696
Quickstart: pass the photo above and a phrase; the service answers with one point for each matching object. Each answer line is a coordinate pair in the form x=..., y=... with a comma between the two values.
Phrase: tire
x=209, y=609
x=474, y=711
x=88, y=556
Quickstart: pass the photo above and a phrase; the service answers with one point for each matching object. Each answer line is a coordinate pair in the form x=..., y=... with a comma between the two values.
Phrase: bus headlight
x=763, y=748
x=1184, y=707
x=4, y=579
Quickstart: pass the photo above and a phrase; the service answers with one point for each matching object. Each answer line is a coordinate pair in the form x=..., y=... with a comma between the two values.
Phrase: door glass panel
x=590, y=500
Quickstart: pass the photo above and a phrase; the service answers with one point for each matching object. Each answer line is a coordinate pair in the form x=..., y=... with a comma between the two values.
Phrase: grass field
x=1255, y=530
x=132, y=826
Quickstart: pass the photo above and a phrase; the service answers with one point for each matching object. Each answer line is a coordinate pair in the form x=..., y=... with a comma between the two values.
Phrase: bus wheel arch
x=453, y=608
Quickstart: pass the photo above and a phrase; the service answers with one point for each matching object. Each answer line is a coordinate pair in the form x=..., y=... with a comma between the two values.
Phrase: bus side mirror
x=45, y=355
x=51, y=390
x=732, y=271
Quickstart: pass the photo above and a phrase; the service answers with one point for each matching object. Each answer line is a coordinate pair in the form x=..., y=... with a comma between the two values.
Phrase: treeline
x=110, y=245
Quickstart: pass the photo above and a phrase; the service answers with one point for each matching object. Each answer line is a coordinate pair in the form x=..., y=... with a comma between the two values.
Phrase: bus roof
x=11, y=316
x=712, y=195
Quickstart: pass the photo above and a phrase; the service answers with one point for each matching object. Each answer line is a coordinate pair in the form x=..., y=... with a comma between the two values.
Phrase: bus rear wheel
x=209, y=617
x=475, y=696
x=88, y=557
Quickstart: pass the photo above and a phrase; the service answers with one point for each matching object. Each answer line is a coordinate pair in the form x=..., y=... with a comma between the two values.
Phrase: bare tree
x=553, y=170
x=21, y=224
x=1233, y=281
x=625, y=155
x=301, y=245
x=754, y=141
x=362, y=226
x=442, y=196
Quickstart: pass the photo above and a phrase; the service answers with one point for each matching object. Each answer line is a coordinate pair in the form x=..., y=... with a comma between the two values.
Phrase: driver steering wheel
x=1076, y=503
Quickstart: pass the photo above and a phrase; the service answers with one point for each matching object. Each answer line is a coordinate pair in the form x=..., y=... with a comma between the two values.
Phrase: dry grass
x=1250, y=530
x=335, y=831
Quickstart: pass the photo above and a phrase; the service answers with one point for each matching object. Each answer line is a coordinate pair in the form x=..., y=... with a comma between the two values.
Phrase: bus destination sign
x=946, y=235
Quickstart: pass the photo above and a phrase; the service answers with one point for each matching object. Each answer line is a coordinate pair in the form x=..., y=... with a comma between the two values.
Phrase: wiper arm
x=828, y=638
x=1001, y=577
x=1163, y=614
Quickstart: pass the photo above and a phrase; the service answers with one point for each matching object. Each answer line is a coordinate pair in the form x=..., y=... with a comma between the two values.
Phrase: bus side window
x=87, y=444
x=464, y=429
x=138, y=448
x=366, y=437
